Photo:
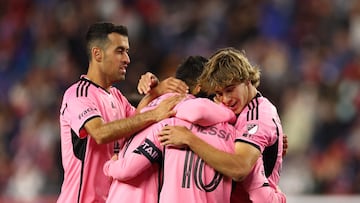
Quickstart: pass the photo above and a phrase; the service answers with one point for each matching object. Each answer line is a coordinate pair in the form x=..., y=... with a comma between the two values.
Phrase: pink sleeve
x=133, y=164
x=204, y=112
x=82, y=110
x=262, y=132
x=267, y=193
x=126, y=168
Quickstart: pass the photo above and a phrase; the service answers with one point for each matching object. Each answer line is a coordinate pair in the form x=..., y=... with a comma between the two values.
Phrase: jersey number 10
x=196, y=171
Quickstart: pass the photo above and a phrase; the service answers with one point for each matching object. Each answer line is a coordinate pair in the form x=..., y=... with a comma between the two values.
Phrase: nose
x=126, y=58
x=225, y=99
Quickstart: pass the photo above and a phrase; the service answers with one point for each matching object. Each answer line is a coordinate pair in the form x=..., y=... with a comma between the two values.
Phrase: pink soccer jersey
x=82, y=157
x=201, y=111
x=259, y=125
x=185, y=177
x=135, y=187
x=190, y=179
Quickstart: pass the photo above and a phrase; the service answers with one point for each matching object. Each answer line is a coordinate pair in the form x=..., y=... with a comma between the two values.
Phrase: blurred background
x=308, y=52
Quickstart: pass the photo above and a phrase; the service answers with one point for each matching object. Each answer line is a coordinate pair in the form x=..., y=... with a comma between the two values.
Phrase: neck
x=96, y=77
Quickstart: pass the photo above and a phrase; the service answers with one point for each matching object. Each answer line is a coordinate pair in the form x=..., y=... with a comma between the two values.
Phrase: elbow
x=240, y=173
x=238, y=176
x=99, y=139
x=123, y=177
x=121, y=174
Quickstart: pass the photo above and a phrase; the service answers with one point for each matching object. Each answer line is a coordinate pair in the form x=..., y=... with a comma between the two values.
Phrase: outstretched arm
x=236, y=165
x=134, y=163
x=151, y=87
x=126, y=168
x=106, y=132
x=204, y=112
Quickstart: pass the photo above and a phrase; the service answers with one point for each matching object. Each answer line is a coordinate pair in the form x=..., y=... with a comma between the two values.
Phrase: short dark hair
x=97, y=34
x=190, y=69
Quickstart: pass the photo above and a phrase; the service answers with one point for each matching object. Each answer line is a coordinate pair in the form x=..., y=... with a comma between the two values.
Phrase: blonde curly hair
x=226, y=67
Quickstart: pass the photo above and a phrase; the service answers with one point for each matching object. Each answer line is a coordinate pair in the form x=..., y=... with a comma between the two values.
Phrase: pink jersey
x=260, y=126
x=201, y=111
x=129, y=185
x=185, y=177
x=82, y=157
x=138, y=189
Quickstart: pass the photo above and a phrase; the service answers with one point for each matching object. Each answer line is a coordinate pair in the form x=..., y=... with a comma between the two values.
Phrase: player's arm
x=204, y=112
x=132, y=165
x=149, y=81
x=267, y=194
x=125, y=168
x=146, y=82
x=106, y=132
x=150, y=86
x=236, y=165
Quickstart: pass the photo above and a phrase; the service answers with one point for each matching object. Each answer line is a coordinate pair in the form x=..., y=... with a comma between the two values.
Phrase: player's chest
x=111, y=108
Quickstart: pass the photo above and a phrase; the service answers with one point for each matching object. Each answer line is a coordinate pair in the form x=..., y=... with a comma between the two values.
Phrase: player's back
x=187, y=178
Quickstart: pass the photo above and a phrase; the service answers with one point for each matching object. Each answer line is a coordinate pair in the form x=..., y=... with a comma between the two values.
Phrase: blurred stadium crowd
x=308, y=52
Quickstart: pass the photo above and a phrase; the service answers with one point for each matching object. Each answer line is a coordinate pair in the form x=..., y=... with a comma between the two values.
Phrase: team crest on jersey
x=252, y=128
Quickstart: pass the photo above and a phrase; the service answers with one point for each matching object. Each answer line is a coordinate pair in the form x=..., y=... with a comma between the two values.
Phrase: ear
x=97, y=54
x=196, y=89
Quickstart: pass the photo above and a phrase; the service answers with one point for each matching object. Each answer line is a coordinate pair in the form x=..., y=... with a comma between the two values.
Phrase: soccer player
x=136, y=172
x=94, y=114
x=257, y=160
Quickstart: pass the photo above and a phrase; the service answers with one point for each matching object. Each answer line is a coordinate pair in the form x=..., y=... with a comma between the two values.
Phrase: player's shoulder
x=83, y=88
x=71, y=90
x=259, y=106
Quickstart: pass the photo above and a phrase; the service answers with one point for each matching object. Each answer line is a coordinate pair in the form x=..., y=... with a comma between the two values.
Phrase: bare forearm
x=107, y=132
x=123, y=128
x=146, y=100
x=226, y=163
x=236, y=165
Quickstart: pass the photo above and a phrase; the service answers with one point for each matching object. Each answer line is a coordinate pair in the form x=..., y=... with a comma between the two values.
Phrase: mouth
x=122, y=70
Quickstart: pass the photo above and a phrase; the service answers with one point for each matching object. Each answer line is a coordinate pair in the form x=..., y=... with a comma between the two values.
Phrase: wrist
x=155, y=92
x=190, y=139
x=151, y=116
